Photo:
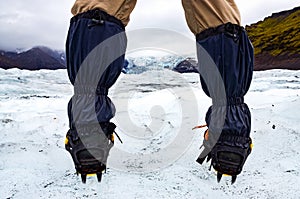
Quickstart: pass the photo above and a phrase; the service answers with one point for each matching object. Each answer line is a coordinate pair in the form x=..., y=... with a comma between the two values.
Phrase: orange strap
x=199, y=127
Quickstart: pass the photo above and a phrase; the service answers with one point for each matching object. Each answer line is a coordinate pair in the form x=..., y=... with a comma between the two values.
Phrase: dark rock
x=188, y=65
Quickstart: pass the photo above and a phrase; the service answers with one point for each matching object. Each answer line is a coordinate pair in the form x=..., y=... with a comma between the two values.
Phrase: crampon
x=90, y=151
x=227, y=156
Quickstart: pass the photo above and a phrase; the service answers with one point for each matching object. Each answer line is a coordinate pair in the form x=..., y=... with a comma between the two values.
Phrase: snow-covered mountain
x=154, y=109
x=36, y=58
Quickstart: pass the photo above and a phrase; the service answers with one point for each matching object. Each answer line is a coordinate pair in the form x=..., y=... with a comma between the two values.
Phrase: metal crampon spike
x=83, y=178
x=99, y=176
x=233, y=179
x=219, y=176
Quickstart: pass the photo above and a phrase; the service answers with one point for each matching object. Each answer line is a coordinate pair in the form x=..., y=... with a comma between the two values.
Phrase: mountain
x=36, y=58
x=188, y=65
x=276, y=40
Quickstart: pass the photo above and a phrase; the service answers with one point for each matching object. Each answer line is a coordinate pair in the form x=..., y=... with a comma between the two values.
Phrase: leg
x=95, y=55
x=225, y=57
x=229, y=142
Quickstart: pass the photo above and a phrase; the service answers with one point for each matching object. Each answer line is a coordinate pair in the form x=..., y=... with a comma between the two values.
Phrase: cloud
x=34, y=22
x=256, y=10
x=166, y=14
x=42, y=22
x=174, y=42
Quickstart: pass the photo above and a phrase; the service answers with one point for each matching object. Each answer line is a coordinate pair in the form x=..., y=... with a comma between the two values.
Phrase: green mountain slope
x=276, y=40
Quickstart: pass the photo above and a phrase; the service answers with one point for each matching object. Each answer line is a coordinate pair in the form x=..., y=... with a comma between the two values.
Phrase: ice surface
x=33, y=123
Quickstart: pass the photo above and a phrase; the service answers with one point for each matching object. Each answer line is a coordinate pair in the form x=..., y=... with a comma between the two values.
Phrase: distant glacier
x=139, y=65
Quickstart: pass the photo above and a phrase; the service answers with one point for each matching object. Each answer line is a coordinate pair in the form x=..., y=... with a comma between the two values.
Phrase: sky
x=29, y=23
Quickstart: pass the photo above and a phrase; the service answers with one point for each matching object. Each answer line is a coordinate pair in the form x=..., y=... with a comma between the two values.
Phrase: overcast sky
x=28, y=23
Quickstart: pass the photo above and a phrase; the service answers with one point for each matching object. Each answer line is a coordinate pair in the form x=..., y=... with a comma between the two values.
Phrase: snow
x=156, y=110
